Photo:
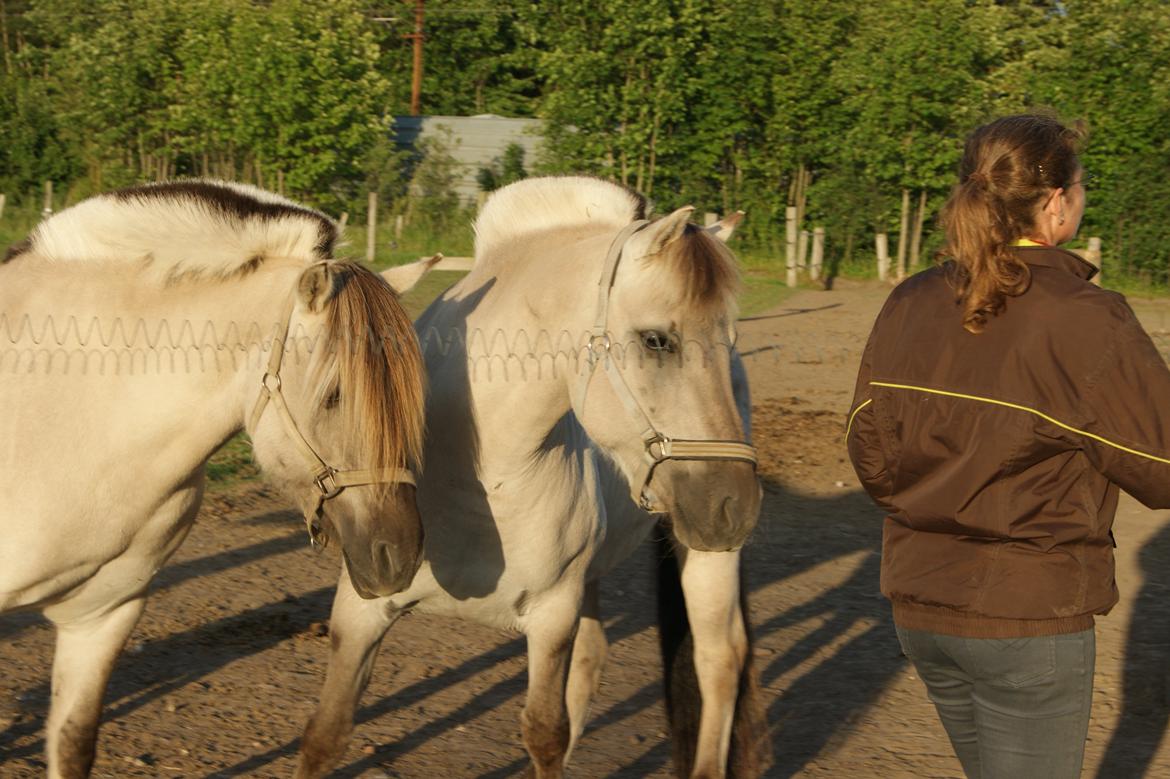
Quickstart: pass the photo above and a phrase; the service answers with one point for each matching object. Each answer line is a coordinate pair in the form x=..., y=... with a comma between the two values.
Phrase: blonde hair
x=1009, y=166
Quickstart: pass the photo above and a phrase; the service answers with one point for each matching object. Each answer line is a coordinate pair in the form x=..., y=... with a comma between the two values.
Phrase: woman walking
x=1001, y=403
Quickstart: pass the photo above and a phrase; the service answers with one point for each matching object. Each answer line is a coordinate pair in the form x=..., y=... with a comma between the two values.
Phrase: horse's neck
x=184, y=351
x=507, y=346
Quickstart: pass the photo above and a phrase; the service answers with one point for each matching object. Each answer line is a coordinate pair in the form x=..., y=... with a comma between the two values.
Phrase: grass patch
x=232, y=464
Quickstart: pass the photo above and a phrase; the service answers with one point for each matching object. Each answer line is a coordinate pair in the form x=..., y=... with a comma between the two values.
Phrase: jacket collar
x=1060, y=259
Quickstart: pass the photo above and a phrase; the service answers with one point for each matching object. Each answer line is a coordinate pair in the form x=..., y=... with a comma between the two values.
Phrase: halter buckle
x=326, y=482
x=271, y=382
x=663, y=443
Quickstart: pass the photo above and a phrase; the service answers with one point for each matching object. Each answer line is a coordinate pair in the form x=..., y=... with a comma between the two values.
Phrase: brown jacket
x=998, y=456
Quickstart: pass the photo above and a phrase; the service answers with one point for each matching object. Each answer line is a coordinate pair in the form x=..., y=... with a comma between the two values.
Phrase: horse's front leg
x=85, y=656
x=711, y=586
x=544, y=723
x=356, y=628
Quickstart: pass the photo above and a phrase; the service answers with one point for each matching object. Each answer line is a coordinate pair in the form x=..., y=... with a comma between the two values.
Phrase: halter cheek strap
x=656, y=447
x=329, y=481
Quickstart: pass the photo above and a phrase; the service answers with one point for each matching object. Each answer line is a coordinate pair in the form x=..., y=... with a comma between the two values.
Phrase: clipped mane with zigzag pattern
x=533, y=205
x=180, y=229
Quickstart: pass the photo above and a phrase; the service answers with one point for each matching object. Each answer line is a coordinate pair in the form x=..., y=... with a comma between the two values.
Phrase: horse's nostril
x=384, y=557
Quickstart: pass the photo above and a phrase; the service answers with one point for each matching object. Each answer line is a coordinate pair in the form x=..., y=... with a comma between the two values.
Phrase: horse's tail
x=750, y=752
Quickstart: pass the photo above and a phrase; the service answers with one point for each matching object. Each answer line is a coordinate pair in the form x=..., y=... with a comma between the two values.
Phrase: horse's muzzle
x=714, y=507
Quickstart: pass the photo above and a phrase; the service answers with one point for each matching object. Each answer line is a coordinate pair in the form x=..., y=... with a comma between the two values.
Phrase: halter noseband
x=329, y=481
x=656, y=447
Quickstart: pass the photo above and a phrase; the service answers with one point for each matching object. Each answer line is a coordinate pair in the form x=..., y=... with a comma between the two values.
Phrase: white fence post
x=818, y=253
x=790, y=244
x=883, y=256
x=1093, y=255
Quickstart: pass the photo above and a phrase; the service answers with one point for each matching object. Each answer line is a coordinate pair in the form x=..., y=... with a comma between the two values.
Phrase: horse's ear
x=668, y=229
x=404, y=277
x=319, y=283
x=724, y=228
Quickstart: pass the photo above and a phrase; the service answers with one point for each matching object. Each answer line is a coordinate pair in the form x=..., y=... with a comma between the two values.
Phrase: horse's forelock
x=704, y=270
x=379, y=370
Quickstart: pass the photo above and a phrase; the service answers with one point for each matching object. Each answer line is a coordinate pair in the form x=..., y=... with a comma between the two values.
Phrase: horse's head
x=352, y=381
x=668, y=412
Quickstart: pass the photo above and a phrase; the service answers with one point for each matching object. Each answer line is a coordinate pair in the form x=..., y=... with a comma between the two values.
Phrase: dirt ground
x=224, y=668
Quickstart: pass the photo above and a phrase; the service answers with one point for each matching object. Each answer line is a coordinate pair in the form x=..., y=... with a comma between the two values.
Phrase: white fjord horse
x=139, y=331
x=560, y=408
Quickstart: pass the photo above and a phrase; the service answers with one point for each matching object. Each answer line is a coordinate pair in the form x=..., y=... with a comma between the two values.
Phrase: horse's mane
x=537, y=204
x=179, y=229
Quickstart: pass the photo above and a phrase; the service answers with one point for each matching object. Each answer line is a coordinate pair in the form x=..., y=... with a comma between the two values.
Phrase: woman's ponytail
x=1008, y=167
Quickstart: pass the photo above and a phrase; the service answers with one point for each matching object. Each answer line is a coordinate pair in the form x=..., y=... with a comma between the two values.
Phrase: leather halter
x=656, y=446
x=329, y=481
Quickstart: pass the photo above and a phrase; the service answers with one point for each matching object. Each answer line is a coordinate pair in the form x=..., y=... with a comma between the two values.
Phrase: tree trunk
x=4, y=37
x=653, y=156
x=916, y=238
x=903, y=234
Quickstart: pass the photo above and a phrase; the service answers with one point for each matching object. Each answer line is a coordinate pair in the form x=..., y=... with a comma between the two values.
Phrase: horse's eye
x=656, y=341
x=333, y=398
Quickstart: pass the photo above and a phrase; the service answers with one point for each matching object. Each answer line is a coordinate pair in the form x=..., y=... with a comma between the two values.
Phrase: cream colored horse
x=583, y=370
x=141, y=330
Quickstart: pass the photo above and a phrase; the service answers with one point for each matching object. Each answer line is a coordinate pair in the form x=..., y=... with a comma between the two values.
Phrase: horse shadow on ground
x=842, y=659
x=1145, y=689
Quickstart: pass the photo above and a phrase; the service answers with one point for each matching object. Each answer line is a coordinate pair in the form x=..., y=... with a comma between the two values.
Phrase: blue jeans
x=1013, y=707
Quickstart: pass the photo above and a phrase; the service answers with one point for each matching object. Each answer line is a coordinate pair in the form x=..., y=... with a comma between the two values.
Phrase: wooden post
x=818, y=253
x=1093, y=255
x=3, y=200
x=903, y=234
x=47, y=209
x=883, y=256
x=802, y=247
x=416, y=73
x=480, y=199
x=790, y=244
x=372, y=227
x=342, y=222
x=398, y=220
x=710, y=218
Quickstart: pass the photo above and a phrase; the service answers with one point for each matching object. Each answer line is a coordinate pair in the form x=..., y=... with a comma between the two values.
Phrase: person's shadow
x=1145, y=694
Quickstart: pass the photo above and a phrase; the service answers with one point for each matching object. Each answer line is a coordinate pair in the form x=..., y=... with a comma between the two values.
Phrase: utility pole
x=417, y=36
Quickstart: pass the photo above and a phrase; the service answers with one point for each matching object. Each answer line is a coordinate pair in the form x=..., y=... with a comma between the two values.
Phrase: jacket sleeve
x=862, y=437
x=1126, y=434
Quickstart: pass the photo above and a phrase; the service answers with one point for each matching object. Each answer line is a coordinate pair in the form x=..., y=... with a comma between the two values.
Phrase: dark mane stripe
x=233, y=203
